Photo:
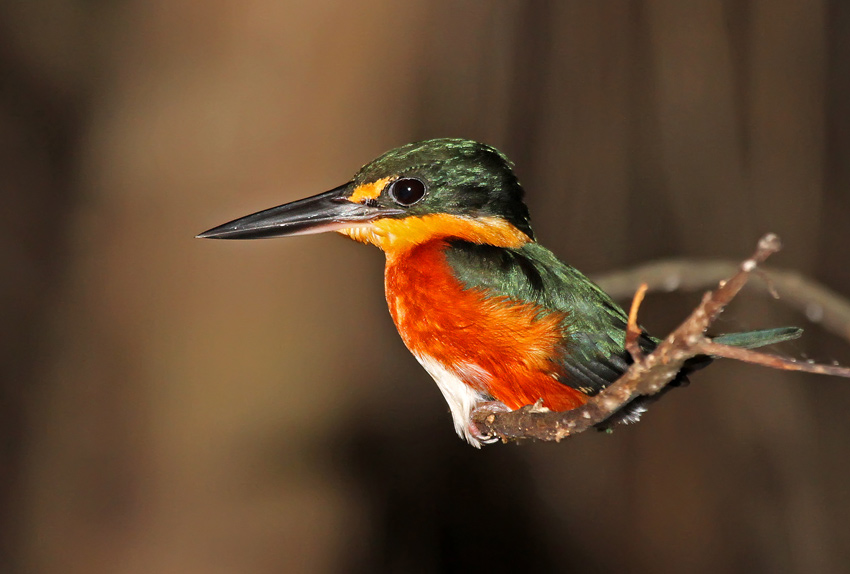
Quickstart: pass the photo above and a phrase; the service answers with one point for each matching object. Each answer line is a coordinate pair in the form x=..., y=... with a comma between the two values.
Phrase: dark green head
x=439, y=180
x=460, y=177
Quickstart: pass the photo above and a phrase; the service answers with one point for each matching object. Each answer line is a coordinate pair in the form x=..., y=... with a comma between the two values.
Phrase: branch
x=819, y=304
x=649, y=374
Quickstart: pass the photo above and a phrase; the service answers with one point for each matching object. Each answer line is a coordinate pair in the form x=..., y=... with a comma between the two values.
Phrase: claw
x=486, y=408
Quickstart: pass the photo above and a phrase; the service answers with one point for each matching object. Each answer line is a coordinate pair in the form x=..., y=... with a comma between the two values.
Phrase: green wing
x=593, y=352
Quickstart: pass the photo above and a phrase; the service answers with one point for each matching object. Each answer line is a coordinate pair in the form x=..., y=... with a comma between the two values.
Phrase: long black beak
x=327, y=211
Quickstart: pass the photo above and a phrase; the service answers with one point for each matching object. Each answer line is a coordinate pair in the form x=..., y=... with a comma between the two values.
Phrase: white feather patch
x=462, y=398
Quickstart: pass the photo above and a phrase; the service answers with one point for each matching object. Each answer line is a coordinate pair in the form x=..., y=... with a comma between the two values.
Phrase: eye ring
x=406, y=191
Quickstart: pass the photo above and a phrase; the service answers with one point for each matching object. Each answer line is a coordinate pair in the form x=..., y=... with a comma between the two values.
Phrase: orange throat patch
x=397, y=235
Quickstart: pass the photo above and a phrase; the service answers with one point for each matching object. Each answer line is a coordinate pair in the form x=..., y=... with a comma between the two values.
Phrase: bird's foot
x=485, y=409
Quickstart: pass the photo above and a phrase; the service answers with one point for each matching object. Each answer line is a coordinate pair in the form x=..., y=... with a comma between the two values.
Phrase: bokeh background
x=175, y=405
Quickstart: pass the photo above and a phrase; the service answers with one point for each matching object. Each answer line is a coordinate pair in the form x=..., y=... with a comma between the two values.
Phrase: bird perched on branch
x=493, y=316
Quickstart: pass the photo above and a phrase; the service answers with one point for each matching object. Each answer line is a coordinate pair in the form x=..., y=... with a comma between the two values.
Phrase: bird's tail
x=760, y=338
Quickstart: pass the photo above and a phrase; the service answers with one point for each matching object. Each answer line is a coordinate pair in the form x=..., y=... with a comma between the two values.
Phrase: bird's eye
x=407, y=191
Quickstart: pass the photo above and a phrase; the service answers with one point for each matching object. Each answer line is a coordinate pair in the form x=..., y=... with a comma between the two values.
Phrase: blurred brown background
x=176, y=405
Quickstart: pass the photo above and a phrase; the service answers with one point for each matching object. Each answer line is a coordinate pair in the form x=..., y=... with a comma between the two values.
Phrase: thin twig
x=819, y=304
x=771, y=361
x=633, y=331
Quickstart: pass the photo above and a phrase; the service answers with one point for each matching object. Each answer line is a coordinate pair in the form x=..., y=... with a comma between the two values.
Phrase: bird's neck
x=397, y=236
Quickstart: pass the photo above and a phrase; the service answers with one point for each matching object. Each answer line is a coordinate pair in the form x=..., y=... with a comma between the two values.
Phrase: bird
x=496, y=319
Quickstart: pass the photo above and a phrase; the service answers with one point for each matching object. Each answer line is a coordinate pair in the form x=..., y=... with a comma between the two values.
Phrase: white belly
x=462, y=398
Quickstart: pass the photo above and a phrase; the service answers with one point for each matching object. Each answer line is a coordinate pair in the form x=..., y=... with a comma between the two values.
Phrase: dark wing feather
x=593, y=353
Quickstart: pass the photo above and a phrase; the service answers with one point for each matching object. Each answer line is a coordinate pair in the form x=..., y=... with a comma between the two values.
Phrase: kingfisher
x=496, y=319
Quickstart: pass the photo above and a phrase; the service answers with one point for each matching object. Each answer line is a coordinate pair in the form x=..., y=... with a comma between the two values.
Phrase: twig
x=633, y=331
x=708, y=347
x=818, y=303
x=651, y=373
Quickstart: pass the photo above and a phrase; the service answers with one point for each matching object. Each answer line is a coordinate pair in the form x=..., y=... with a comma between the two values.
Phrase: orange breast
x=497, y=345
